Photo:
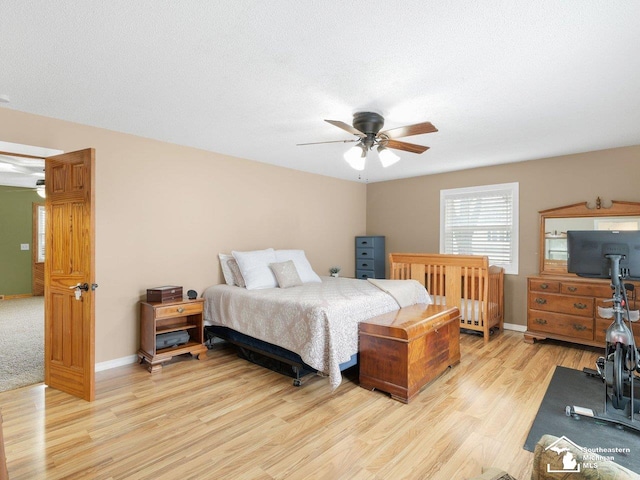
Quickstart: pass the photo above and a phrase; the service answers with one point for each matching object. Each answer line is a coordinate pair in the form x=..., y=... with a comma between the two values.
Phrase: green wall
x=15, y=228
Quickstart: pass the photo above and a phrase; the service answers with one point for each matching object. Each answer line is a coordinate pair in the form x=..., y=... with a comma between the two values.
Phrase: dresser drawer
x=362, y=253
x=364, y=264
x=590, y=290
x=369, y=242
x=364, y=274
x=180, y=310
x=559, y=324
x=601, y=330
x=582, y=306
x=544, y=286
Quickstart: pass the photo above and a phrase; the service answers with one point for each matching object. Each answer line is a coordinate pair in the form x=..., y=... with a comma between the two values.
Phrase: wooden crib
x=464, y=281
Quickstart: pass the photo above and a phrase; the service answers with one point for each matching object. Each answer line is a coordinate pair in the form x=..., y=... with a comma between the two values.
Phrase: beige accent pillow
x=235, y=271
x=286, y=274
x=226, y=271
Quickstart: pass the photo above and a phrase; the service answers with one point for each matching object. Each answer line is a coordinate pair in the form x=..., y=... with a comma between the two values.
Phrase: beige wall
x=407, y=211
x=164, y=212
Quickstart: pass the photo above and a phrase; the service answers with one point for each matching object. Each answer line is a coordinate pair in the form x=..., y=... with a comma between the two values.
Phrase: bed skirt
x=269, y=355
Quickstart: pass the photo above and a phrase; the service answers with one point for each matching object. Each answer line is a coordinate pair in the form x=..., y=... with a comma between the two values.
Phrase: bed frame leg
x=299, y=380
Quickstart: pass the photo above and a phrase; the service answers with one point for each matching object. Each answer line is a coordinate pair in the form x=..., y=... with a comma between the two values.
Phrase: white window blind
x=41, y=233
x=481, y=221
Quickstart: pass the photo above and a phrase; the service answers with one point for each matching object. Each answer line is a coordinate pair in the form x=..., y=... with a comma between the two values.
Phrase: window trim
x=39, y=233
x=514, y=187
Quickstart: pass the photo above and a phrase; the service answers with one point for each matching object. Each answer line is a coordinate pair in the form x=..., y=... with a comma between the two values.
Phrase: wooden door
x=69, y=261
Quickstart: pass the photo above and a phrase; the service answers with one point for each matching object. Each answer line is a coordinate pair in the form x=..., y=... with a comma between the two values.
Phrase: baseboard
x=13, y=297
x=515, y=326
x=119, y=362
x=116, y=362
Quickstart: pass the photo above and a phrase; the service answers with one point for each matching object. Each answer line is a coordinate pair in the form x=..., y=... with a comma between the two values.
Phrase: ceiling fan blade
x=408, y=130
x=330, y=141
x=407, y=147
x=346, y=127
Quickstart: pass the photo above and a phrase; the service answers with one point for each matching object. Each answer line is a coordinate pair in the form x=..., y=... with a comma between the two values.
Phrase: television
x=588, y=250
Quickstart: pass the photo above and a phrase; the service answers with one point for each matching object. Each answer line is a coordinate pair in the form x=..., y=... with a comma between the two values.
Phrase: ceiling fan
x=366, y=126
x=39, y=188
x=21, y=171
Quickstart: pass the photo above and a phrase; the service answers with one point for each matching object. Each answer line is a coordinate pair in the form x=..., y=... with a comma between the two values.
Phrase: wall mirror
x=555, y=222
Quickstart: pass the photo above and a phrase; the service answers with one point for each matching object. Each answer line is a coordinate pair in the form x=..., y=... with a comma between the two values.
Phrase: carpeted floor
x=573, y=387
x=21, y=342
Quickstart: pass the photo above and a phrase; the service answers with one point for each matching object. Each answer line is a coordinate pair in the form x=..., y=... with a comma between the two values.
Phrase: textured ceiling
x=503, y=81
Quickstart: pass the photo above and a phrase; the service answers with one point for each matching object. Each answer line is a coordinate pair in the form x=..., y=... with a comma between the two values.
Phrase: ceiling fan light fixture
x=40, y=191
x=387, y=157
x=356, y=157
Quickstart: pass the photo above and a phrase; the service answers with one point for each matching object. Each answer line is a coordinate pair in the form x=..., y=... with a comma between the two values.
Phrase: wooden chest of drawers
x=565, y=308
x=401, y=351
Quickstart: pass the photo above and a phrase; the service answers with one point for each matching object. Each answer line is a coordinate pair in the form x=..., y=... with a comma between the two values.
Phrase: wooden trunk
x=402, y=351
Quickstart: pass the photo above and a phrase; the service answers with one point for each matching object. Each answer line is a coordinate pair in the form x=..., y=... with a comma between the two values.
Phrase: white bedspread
x=318, y=321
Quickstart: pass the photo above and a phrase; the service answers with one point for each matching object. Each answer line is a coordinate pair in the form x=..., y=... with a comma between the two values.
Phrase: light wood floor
x=224, y=417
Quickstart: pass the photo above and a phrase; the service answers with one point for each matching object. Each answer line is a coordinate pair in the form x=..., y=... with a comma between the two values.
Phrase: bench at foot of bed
x=402, y=351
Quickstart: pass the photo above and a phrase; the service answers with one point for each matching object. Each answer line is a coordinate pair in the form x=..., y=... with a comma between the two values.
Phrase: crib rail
x=464, y=281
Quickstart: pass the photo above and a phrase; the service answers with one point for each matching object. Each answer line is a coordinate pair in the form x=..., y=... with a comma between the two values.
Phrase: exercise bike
x=616, y=368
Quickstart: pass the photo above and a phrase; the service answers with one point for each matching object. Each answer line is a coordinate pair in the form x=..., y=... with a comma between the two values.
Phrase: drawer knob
x=544, y=286
x=580, y=306
x=579, y=328
x=541, y=321
x=572, y=289
x=180, y=309
x=541, y=301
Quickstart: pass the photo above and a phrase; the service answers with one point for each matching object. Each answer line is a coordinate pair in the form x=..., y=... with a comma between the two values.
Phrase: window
x=40, y=219
x=481, y=221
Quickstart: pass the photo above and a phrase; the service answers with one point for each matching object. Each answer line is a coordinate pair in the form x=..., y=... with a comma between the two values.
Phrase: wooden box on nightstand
x=157, y=318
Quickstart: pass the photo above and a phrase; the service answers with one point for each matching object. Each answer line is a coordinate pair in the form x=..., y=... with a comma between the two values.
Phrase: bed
x=313, y=325
x=464, y=281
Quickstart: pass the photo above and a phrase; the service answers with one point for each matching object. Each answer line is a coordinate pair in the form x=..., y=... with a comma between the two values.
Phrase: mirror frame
x=576, y=210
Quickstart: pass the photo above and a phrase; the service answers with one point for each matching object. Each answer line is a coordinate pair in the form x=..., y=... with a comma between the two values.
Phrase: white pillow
x=226, y=271
x=254, y=266
x=307, y=275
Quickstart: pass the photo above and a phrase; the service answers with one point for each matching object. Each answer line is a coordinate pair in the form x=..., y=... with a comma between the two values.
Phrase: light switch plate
x=24, y=246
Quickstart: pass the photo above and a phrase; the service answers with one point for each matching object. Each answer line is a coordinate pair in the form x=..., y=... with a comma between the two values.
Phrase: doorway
x=22, y=279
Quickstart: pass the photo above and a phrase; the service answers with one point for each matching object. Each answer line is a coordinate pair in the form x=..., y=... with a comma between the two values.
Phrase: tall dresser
x=370, y=257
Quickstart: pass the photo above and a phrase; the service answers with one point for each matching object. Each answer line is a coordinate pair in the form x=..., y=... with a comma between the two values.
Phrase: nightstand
x=158, y=318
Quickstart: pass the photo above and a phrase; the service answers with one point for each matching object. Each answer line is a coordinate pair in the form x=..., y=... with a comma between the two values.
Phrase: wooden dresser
x=566, y=308
x=401, y=351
